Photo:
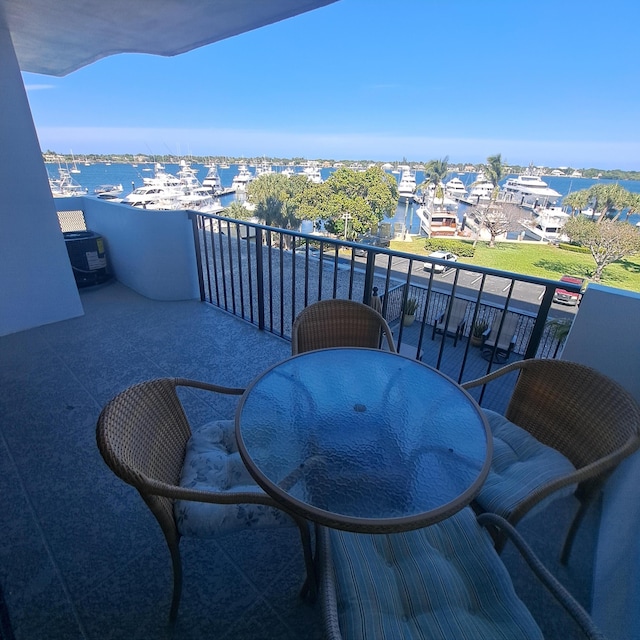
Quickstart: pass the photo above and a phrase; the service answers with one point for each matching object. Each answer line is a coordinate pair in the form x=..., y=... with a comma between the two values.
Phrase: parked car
x=440, y=255
x=562, y=296
x=374, y=241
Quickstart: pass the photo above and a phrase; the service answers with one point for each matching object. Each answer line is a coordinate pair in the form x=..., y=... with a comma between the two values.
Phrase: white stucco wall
x=606, y=336
x=36, y=281
x=152, y=252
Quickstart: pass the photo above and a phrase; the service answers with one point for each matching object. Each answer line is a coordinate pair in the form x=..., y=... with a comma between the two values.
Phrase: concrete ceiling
x=56, y=37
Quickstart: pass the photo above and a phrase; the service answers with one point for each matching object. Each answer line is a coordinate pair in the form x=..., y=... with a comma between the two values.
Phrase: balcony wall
x=151, y=252
x=36, y=280
x=605, y=336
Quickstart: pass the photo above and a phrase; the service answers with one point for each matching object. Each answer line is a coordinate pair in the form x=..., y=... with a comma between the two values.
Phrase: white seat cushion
x=445, y=581
x=520, y=465
x=212, y=463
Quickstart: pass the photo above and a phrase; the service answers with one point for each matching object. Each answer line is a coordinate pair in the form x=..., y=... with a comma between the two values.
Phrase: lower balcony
x=82, y=557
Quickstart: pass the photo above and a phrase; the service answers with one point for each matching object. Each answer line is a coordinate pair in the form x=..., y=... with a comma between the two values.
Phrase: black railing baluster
x=260, y=278
x=540, y=323
x=264, y=298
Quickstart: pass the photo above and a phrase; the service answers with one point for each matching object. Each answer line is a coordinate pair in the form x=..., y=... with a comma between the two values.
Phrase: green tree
x=350, y=202
x=238, y=211
x=606, y=200
x=494, y=172
x=609, y=198
x=435, y=171
x=578, y=200
x=274, y=197
x=608, y=240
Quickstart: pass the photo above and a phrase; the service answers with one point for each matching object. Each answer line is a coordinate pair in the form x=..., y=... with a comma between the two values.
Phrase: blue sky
x=550, y=83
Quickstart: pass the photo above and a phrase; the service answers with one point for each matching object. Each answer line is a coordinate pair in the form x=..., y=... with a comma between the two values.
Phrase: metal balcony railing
x=266, y=276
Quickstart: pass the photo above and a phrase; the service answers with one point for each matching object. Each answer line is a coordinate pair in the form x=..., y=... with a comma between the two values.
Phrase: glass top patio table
x=363, y=439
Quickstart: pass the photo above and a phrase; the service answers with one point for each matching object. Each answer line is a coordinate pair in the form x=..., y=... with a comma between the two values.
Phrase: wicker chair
x=440, y=582
x=144, y=436
x=573, y=410
x=339, y=323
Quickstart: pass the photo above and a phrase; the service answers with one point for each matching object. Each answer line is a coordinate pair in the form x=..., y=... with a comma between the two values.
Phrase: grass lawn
x=542, y=260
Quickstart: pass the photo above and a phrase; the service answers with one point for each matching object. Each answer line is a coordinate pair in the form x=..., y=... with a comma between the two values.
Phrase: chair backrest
x=506, y=333
x=575, y=409
x=339, y=323
x=458, y=312
x=142, y=435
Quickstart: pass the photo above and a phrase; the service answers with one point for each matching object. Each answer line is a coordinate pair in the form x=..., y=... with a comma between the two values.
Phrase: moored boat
x=455, y=189
x=242, y=178
x=212, y=180
x=64, y=185
x=407, y=184
x=528, y=190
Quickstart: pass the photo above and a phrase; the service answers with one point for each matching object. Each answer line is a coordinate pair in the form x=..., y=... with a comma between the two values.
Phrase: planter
x=407, y=319
x=475, y=341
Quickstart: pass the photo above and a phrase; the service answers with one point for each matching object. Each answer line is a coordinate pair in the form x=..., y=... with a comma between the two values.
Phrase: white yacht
x=212, y=180
x=264, y=168
x=111, y=192
x=455, y=189
x=547, y=225
x=312, y=172
x=159, y=192
x=242, y=179
x=194, y=195
x=481, y=189
x=65, y=186
x=528, y=190
x=407, y=185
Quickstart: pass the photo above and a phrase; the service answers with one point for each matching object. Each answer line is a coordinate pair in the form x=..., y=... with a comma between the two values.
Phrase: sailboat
x=74, y=169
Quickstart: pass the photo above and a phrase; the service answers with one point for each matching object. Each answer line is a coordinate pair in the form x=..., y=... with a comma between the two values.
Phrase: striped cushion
x=444, y=581
x=212, y=463
x=520, y=465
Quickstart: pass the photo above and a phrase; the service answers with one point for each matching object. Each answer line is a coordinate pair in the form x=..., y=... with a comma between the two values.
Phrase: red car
x=563, y=296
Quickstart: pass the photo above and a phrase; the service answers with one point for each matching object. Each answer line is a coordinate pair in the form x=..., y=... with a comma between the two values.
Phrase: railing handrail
x=416, y=257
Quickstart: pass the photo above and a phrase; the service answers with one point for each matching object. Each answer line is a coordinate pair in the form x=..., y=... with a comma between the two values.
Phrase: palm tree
x=494, y=172
x=577, y=200
x=435, y=172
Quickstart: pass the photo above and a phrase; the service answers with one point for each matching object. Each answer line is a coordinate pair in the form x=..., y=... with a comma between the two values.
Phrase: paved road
x=525, y=296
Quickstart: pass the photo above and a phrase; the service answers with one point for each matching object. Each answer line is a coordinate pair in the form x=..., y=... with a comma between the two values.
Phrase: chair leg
x=309, y=588
x=177, y=578
x=586, y=498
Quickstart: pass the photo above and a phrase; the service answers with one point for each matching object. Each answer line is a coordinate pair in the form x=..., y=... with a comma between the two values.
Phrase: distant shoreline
x=462, y=167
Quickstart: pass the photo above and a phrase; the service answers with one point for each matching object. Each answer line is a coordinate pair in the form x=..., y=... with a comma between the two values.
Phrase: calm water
x=131, y=177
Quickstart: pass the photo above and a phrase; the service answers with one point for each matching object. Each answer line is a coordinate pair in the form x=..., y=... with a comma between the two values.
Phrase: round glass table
x=363, y=440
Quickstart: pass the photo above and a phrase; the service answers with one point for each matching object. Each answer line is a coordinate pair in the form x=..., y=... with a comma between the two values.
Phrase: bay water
x=131, y=177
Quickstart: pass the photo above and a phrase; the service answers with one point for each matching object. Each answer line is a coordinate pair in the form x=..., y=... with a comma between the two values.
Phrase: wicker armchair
x=144, y=437
x=572, y=409
x=339, y=323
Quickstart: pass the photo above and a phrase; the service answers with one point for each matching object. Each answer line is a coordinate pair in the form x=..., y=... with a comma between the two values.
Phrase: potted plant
x=409, y=311
x=477, y=332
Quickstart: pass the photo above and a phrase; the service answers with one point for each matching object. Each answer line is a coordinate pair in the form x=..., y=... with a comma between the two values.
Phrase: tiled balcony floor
x=82, y=557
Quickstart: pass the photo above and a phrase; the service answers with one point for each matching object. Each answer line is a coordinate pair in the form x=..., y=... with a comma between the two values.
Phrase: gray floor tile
x=82, y=556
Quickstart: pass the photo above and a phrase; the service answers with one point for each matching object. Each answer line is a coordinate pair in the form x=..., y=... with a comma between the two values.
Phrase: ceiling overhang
x=56, y=37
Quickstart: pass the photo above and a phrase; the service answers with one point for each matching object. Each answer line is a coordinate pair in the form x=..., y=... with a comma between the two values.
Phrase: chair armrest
x=493, y=375
x=570, y=604
x=197, y=384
